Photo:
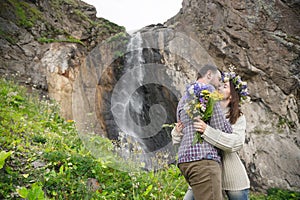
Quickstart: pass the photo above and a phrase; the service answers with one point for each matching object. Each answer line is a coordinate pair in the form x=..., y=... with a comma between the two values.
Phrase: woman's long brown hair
x=234, y=107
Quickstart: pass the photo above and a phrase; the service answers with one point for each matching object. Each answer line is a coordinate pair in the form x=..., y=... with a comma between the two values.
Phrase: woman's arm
x=224, y=141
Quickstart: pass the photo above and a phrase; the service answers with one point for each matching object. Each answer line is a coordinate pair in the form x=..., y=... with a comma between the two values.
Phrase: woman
x=235, y=181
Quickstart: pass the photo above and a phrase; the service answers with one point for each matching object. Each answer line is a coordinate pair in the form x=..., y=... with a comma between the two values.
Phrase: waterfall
x=134, y=58
x=131, y=111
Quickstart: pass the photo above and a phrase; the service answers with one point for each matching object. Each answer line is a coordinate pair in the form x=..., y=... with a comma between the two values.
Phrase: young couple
x=214, y=164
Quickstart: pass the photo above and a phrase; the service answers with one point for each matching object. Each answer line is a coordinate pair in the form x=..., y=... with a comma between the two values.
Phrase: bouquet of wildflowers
x=200, y=102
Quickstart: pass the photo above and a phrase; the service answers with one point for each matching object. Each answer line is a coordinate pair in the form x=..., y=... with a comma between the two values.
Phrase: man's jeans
x=204, y=176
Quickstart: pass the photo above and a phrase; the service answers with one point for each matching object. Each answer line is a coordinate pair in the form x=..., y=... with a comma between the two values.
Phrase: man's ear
x=209, y=75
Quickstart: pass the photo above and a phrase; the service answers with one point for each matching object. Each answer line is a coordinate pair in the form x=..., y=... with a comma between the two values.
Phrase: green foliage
x=257, y=196
x=69, y=39
x=106, y=27
x=34, y=193
x=278, y=194
x=83, y=16
x=282, y=121
x=118, y=54
x=26, y=14
x=119, y=37
x=164, y=184
x=7, y=36
x=109, y=27
x=3, y=156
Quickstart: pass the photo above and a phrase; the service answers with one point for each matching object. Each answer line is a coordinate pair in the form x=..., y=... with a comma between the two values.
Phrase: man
x=200, y=163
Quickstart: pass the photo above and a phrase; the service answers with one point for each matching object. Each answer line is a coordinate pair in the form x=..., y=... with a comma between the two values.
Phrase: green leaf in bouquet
x=209, y=109
x=197, y=138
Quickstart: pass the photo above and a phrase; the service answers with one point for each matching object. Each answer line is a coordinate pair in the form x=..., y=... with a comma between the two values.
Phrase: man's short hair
x=201, y=73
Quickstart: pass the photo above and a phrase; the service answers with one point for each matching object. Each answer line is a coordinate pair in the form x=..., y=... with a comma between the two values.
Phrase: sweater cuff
x=176, y=136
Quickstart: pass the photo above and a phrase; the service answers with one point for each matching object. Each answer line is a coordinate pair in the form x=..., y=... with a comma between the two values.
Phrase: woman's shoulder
x=241, y=121
x=242, y=117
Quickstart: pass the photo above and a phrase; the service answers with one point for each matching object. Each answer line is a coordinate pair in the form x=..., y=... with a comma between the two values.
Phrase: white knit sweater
x=234, y=175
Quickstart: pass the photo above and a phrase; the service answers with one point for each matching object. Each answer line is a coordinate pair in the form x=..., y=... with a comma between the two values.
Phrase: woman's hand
x=179, y=126
x=177, y=133
x=199, y=125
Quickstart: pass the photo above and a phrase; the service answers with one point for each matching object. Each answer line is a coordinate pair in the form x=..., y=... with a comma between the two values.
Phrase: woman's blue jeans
x=238, y=195
x=232, y=195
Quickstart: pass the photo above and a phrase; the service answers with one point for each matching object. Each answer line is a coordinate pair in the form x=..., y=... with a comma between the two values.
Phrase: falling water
x=133, y=108
x=134, y=58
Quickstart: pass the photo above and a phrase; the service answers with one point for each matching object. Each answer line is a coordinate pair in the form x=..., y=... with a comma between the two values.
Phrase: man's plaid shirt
x=187, y=151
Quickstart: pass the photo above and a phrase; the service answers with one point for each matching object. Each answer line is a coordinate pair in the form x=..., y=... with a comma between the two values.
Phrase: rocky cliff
x=60, y=47
x=44, y=42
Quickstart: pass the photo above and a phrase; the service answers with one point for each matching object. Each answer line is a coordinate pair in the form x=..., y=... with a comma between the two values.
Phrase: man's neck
x=202, y=80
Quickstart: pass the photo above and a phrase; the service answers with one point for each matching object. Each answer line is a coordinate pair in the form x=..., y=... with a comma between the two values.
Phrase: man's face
x=216, y=79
